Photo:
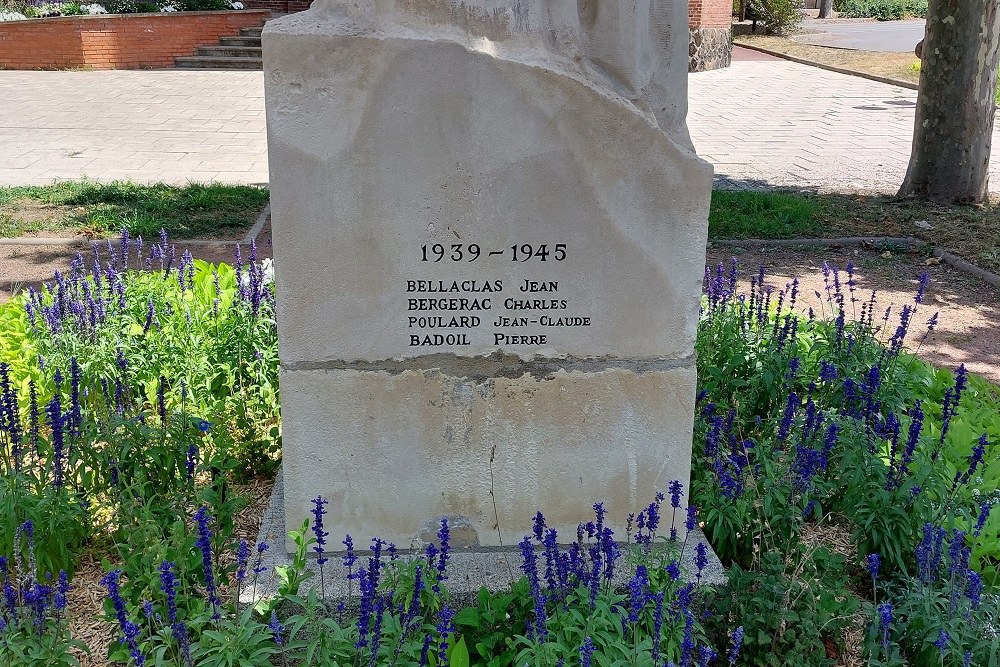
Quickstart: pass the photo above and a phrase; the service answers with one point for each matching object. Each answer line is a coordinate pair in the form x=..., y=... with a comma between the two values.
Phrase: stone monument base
x=468, y=570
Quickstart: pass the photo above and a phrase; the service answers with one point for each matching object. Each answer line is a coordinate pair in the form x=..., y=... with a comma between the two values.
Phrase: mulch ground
x=969, y=310
x=968, y=332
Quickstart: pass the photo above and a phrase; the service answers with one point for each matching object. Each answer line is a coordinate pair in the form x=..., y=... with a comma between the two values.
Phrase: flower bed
x=117, y=41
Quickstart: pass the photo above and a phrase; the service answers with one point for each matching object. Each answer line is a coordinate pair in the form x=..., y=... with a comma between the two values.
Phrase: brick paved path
x=781, y=123
x=765, y=122
x=152, y=125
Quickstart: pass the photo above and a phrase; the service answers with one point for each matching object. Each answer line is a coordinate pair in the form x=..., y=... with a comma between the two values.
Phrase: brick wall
x=710, y=13
x=120, y=41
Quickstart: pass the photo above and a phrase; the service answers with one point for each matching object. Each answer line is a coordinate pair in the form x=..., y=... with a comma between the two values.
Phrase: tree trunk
x=825, y=9
x=955, y=104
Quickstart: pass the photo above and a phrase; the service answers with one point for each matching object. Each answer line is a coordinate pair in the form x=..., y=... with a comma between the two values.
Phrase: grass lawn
x=102, y=209
x=970, y=231
x=901, y=66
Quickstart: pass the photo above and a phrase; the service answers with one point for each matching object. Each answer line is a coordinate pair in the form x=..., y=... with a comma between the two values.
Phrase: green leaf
x=458, y=655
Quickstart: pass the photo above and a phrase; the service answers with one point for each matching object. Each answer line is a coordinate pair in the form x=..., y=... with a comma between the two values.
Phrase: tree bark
x=953, y=129
x=825, y=9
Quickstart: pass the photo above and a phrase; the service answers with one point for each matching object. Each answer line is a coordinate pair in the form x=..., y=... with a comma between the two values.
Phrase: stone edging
x=251, y=235
x=850, y=241
x=949, y=258
x=831, y=68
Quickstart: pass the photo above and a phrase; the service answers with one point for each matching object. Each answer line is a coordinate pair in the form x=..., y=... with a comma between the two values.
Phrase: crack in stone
x=496, y=365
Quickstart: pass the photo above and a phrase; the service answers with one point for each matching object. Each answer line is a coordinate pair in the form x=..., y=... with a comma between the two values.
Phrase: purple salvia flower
x=57, y=422
x=259, y=560
x=366, y=607
x=638, y=587
x=191, y=460
x=62, y=592
x=884, y=621
x=169, y=584
x=204, y=545
x=538, y=527
x=675, y=488
x=700, y=558
x=277, y=629
x=922, y=283
x=984, y=514
x=150, y=316
x=586, y=652
x=975, y=458
x=444, y=538
x=349, y=558
x=942, y=641
x=425, y=651
x=318, y=511
x=789, y=416
x=445, y=628
x=529, y=566
x=551, y=558
x=974, y=588
x=658, y=599
x=242, y=557
x=123, y=253
x=692, y=518
x=736, y=640
x=872, y=563
x=687, y=641
x=161, y=400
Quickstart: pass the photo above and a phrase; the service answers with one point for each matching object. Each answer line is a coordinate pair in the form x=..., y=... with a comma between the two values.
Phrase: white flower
x=12, y=16
x=94, y=9
x=168, y=8
x=236, y=5
x=266, y=273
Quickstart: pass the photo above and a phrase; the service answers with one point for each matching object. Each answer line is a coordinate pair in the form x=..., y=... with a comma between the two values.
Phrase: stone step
x=239, y=41
x=212, y=62
x=250, y=32
x=230, y=51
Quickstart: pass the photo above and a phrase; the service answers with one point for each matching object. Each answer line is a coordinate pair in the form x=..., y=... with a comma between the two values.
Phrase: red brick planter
x=117, y=41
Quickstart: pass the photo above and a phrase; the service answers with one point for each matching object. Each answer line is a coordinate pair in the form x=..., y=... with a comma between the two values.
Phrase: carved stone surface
x=489, y=230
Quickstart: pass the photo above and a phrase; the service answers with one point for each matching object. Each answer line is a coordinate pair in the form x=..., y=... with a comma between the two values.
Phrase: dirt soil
x=968, y=329
x=24, y=266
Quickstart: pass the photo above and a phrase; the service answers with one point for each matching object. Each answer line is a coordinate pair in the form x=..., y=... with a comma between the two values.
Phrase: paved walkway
x=147, y=125
x=775, y=122
x=884, y=36
x=762, y=122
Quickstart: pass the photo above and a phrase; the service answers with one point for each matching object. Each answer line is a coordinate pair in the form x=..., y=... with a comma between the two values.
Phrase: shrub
x=777, y=16
x=884, y=10
x=565, y=608
x=202, y=5
x=34, y=625
x=804, y=422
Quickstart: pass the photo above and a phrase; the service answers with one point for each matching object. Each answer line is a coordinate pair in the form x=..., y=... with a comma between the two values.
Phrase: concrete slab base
x=468, y=571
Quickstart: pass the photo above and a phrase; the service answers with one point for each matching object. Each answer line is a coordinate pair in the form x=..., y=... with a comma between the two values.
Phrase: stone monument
x=489, y=230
